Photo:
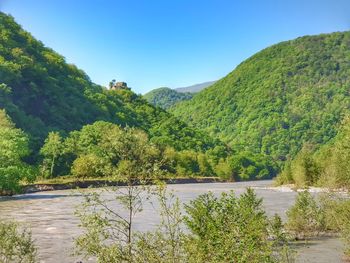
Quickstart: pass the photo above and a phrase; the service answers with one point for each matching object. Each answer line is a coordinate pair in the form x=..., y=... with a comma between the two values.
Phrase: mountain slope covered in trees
x=42, y=93
x=284, y=96
x=166, y=97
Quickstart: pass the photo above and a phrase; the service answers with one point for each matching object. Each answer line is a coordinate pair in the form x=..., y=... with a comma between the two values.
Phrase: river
x=50, y=215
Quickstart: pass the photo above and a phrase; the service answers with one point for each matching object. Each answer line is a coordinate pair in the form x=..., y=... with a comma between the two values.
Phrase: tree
x=166, y=244
x=112, y=83
x=224, y=170
x=205, y=168
x=109, y=232
x=13, y=148
x=52, y=149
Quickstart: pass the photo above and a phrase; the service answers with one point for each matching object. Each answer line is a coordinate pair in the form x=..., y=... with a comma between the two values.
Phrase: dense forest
x=321, y=165
x=289, y=94
x=166, y=97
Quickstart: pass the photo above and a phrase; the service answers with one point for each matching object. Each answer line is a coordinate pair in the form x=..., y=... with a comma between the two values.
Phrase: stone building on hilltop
x=113, y=85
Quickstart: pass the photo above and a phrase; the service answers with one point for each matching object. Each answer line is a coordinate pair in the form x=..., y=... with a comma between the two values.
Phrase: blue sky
x=174, y=43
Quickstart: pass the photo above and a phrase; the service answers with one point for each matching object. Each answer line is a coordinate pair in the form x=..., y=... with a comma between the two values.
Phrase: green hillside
x=166, y=97
x=272, y=103
x=42, y=93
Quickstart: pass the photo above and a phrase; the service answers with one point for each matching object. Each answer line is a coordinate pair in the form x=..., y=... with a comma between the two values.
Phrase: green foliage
x=166, y=98
x=303, y=171
x=89, y=166
x=335, y=158
x=109, y=231
x=224, y=229
x=280, y=98
x=106, y=149
x=280, y=240
x=13, y=148
x=167, y=244
x=337, y=217
x=228, y=229
x=306, y=217
x=248, y=166
x=326, y=165
x=51, y=150
x=16, y=244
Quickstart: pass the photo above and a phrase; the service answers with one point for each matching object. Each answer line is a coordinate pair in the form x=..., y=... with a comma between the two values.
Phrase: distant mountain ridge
x=195, y=88
x=165, y=97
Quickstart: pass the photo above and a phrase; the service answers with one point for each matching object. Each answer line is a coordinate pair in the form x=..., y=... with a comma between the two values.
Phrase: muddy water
x=54, y=226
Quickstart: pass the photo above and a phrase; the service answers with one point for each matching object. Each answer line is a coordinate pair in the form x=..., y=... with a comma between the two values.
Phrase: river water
x=50, y=215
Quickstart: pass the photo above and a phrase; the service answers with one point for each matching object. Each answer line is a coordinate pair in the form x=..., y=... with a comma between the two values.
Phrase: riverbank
x=53, y=185
x=67, y=183
x=52, y=220
x=312, y=189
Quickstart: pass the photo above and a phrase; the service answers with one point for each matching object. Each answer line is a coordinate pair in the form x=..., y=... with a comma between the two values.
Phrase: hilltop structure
x=113, y=85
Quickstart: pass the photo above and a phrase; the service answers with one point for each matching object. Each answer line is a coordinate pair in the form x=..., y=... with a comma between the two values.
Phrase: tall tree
x=52, y=149
x=110, y=231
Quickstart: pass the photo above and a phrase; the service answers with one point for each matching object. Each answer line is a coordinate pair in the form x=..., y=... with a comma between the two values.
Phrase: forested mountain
x=166, y=97
x=42, y=93
x=284, y=96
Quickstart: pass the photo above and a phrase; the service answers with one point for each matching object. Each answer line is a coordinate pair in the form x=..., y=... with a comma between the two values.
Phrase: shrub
x=89, y=165
x=337, y=217
x=305, y=217
x=228, y=229
x=16, y=245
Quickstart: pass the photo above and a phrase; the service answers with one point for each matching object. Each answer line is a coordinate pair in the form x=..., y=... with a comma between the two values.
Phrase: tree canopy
x=166, y=97
x=275, y=101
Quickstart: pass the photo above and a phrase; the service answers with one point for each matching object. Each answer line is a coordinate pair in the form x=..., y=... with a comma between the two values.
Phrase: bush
x=337, y=217
x=89, y=165
x=16, y=245
x=228, y=229
x=305, y=218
